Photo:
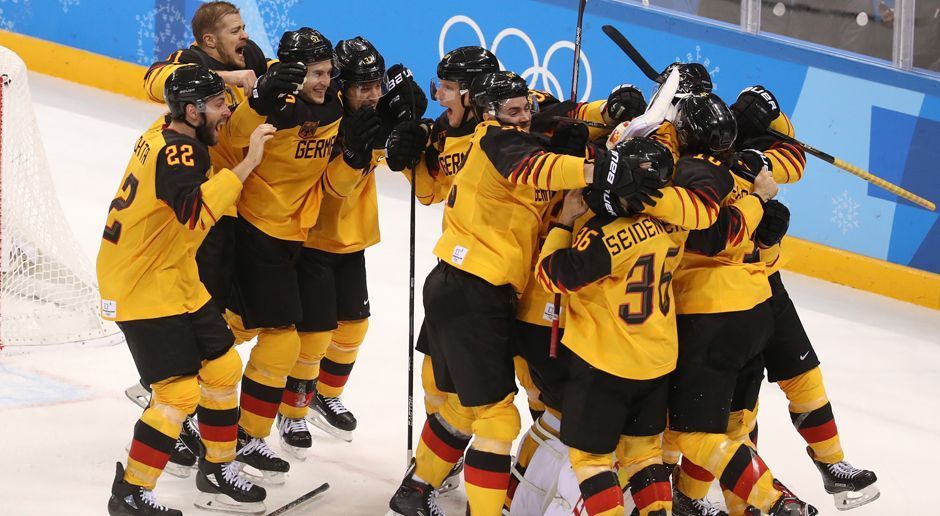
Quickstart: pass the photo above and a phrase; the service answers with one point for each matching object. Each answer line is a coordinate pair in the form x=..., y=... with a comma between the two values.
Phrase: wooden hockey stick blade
x=621, y=41
x=858, y=172
x=301, y=501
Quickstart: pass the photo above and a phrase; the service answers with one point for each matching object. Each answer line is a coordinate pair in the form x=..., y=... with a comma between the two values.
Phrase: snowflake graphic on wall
x=148, y=39
x=845, y=212
x=697, y=57
x=68, y=3
x=6, y=24
x=275, y=17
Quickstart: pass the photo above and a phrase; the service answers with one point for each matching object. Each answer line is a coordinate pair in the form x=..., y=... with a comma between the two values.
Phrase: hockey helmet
x=694, y=78
x=193, y=84
x=307, y=46
x=488, y=90
x=463, y=64
x=359, y=61
x=704, y=123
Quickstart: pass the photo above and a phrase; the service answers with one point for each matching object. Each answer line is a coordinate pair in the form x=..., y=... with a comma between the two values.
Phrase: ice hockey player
x=723, y=311
x=278, y=206
x=164, y=206
x=470, y=296
x=332, y=265
x=789, y=357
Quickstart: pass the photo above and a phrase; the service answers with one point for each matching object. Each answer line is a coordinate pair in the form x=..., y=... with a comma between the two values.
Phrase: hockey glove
x=604, y=202
x=625, y=103
x=773, y=225
x=570, y=139
x=281, y=79
x=358, y=130
x=402, y=98
x=406, y=143
x=749, y=162
x=754, y=111
x=620, y=174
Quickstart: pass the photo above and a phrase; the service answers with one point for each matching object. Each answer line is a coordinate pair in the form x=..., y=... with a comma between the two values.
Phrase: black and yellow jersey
x=617, y=274
x=282, y=196
x=537, y=305
x=163, y=209
x=348, y=222
x=493, y=210
x=549, y=107
x=718, y=272
x=443, y=158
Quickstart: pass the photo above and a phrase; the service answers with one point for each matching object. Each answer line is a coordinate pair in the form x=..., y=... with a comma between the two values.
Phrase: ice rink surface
x=64, y=419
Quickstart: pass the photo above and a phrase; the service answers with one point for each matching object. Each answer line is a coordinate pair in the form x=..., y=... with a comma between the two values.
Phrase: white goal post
x=48, y=293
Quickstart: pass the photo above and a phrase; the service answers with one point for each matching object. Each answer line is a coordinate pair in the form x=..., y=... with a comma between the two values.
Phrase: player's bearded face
x=449, y=95
x=216, y=114
x=317, y=81
x=361, y=94
x=231, y=39
x=516, y=111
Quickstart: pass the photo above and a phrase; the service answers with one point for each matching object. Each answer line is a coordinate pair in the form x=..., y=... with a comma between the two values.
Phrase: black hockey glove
x=570, y=139
x=749, y=162
x=406, y=143
x=403, y=99
x=773, y=225
x=625, y=102
x=604, y=202
x=754, y=111
x=624, y=177
x=358, y=130
x=281, y=79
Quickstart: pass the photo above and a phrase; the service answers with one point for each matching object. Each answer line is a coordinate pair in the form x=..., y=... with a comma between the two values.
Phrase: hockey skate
x=295, y=437
x=787, y=505
x=331, y=416
x=682, y=505
x=138, y=394
x=185, y=450
x=450, y=483
x=254, y=452
x=130, y=500
x=849, y=486
x=221, y=489
x=414, y=498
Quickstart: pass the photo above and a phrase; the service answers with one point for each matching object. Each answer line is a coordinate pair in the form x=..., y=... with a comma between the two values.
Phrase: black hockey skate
x=221, y=489
x=254, y=452
x=450, y=483
x=788, y=504
x=331, y=416
x=295, y=437
x=682, y=505
x=185, y=451
x=130, y=500
x=849, y=486
x=414, y=498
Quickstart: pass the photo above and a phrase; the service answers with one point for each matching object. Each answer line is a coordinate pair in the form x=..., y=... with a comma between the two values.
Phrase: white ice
x=64, y=419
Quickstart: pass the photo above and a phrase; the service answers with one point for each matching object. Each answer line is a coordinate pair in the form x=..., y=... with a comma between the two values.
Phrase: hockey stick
x=589, y=123
x=858, y=172
x=576, y=68
x=409, y=453
x=302, y=500
x=648, y=70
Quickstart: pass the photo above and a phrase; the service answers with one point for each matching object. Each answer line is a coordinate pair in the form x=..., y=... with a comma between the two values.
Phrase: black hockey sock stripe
x=153, y=438
x=458, y=443
x=260, y=391
x=740, y=462
x=817, y=417
x=601, y=492
x=487, y=470
x=651, y=485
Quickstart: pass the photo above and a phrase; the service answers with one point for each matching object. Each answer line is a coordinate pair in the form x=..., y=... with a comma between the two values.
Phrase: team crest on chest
x=309, y=129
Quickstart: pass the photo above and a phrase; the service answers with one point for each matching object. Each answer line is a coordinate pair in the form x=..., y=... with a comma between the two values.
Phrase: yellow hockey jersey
x=617, y=274
x=162, y=211
x=493, y=211
x=282, y=196
x=442, y=159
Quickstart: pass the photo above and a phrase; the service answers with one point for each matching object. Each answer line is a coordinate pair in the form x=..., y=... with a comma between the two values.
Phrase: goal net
x=48, y=294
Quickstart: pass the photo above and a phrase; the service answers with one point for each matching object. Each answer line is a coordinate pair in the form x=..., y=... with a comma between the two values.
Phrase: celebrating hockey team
x=617, y=260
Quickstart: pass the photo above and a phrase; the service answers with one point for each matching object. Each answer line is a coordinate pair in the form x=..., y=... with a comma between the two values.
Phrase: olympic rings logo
x=539, y=68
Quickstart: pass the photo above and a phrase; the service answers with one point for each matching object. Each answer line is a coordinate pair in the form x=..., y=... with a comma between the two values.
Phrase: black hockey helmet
x=193, y=84
x=462, y=64
x=694, y=78
x=306, y=45
x=488, y=89
x=704, y=123
x=641, y=153
x=359, y=61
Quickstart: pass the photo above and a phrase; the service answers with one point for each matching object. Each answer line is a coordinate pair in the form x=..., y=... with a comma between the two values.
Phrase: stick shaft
x=621, y=41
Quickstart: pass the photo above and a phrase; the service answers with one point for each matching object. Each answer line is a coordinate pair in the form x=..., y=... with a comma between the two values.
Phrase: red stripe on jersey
x=695, y=471
x=695, y=207
x=146, y=455
x=440, y=448
x=485, y=479
x=820, y=433
x=655, y=492
x=605, y=500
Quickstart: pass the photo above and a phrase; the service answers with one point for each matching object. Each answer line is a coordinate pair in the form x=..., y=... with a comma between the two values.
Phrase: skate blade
x=178, y=470
x=256, y=476
x=138, y=395
x=315, y=419
x=450, y=483
x=223, y=503
x=294, y=451
x=848, y=500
